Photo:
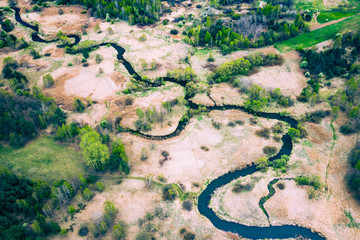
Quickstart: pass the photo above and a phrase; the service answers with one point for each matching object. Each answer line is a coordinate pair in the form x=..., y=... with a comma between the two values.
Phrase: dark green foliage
x=21, y=117
x=174, y=32
x=118, y=158
x=7, y=40
x=216, y=125
x=353, y=175
x=208, y=33
x=22, y=198
x=83, y=231
x=7, y=25
x=143, y=236
x=317, y=116
x=142, y=12
x=313, y=181
x=78, y=105
x=168, y=193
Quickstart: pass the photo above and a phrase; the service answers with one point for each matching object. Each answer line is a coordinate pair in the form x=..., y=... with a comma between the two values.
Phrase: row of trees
x=243, y=66
x=134, y=11
x=226, y=37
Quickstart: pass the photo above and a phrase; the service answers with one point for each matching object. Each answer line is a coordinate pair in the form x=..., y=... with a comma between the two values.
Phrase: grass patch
x=309, y=39
x=331, y=16
x=43, y=159
x=309, y=4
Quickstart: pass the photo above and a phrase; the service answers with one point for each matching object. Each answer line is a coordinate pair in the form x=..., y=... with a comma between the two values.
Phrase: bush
x=265, y=133
x=189, y=236
x=143, y=236
x=83, y=231
x=48, y=80
x=100, y=186
x=144, y=154
x=216, y=125
x=239, y=187
x=269, y=150
x=78, y=106
x=169, y=193
x=187, y=205
x=174, y=32
x=231, y=124
x=143, y=38
x=281, y=186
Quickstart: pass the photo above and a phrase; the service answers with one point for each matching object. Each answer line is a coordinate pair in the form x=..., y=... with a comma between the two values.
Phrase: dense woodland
x=141, y=12
x=229, y=36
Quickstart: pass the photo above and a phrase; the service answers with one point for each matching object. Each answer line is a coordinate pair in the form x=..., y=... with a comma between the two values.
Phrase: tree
x=144, y=154
x=110, y=208
x=98, y=58
x=262, y=164
x=71, y=211
x=153, y=64
x=97, y=28
x=48, y=80
x=78, y=106
x=119, y=231
x=7, y=25
x=118, y=158
x=142, y=38
x=143, y=64
x=95, y=153
x=293, y=133
x=87, y=194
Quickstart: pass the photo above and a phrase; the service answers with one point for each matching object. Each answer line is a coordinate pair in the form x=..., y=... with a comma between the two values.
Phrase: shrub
x=48, y=80
x=189, y=236
x=144, y=154
x=78, y=106
x=129, y=101
x=143, y=38
x=83, y=231
x=239, y=122
x=265, y=133
x=100, y=186
x=143, y=236
x=211, y=57
x=239, y=187
x=71, y=211
x=231, y=124
x=187, y=205
x=281, y=186
x=205, y=148
x=269, y=150
x=169, y=193
x=174, y=32
x=216, y=125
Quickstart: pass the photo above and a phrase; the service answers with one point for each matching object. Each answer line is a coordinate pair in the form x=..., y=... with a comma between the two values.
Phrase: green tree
x=262, y=164
x=95, y=153
x=71, y=211
x=48, y=80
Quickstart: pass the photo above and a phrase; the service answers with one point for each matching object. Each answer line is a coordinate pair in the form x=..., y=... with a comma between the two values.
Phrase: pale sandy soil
x=69, y=22
x=133, y=200
x=228, y=149
x=224, y=93
x=325, y=213
x=242, y=207
x=288, y=77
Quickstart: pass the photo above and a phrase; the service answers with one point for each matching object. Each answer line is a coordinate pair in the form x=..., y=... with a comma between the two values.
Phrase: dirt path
x=318, y=25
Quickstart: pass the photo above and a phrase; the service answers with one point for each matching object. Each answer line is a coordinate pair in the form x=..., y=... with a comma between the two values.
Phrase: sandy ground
x=325, y=213
x=288, y=77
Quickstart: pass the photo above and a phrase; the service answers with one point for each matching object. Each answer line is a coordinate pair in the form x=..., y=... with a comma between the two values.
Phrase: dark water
x=251, y=232
x=35, y=35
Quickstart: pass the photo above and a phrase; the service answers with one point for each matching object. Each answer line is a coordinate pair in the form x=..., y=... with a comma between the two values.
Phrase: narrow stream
x=251, y=232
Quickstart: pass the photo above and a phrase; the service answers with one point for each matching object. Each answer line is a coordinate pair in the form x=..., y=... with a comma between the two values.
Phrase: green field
x=43, y=159
x=331, y=16
x=319, y=35
x=309, y=4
